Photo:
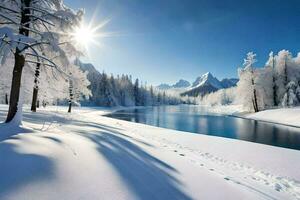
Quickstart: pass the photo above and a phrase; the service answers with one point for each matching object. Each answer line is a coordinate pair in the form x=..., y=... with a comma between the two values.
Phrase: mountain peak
x=207, y=78
x=181, y=84
x=207, y=74
x=163, y=86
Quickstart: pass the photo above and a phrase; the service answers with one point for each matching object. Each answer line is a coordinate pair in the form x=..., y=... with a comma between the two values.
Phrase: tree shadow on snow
x=9, y=130
x=148, y=177
x=110, y=129
x=41, y=117
x=19, y=169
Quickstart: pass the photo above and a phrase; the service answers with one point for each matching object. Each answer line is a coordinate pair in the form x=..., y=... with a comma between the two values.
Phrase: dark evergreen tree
x=136, y=93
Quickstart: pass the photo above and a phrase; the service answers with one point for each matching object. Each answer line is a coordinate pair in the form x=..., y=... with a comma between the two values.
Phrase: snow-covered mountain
x=87, y=67
x=181, y=84
x=207, y=79
x=229, y=82
x=207, y=83
x=204, y=84
x=164, y=86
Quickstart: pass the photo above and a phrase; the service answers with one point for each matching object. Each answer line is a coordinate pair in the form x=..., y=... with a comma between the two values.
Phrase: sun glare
x=89, y=34
x=84, y=35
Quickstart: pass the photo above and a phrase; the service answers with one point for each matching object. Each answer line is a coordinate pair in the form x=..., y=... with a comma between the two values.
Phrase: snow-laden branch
x=9, y=9
x=32, y=30
x=40, y=18
x=9, y=19
x=36, y=62
x=44, y=58
x=39, y=10
x=6, y=23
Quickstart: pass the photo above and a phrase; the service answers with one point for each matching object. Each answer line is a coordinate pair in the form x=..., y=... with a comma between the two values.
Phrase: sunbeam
x=86, y=35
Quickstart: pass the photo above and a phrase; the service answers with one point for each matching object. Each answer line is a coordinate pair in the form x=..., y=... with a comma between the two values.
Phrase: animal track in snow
x=246, y=175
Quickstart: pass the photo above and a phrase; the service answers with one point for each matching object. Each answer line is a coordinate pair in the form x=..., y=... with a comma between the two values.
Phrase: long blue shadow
x=148, y=177
x=17, y=169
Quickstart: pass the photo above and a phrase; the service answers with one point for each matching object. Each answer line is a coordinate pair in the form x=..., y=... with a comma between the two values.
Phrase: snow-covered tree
x=220, y=97
x=247, y=84
x=290, y=97
x=26, y=32
x=5, y=81
x=271, y=68
x=275, y=84
x=78, y=85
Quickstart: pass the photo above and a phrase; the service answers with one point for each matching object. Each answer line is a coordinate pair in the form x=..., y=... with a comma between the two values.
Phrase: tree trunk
x=71, y=95
x=70, y=107
x=274, y=84
x=286, y=82
x=274, y=92
x=255, y=101
x=37, y=103
x=19, y=63
x=253, y=104
x=44, y=104
x=34, y=99
x=35, y=88
x=6, y=99
x=15, y=86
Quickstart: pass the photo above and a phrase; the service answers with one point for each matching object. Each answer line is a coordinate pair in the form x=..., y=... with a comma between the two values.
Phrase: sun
x=84, y=35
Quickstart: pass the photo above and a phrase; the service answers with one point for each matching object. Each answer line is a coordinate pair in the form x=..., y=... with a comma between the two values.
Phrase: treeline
x=276, y=84
x=221, y=97
x=108, y=90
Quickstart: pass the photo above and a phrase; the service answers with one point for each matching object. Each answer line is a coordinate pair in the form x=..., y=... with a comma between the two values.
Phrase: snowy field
x=87, y=156
x=287, y=116
x=284, y=116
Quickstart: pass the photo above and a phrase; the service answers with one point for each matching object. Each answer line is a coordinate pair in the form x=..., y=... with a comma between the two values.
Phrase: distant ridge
x=203, y=85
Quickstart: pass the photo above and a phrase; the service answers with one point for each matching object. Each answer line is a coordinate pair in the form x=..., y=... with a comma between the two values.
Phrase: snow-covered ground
x=87, y=156
x=224, y=109
x=287, y=116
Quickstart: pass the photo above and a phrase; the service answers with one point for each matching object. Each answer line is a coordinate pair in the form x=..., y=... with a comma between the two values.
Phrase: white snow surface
x=85, y=155
x=286, y=116
x=234, y=109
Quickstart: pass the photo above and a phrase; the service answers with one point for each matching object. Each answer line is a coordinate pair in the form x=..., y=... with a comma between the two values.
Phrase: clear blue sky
x=165, y=40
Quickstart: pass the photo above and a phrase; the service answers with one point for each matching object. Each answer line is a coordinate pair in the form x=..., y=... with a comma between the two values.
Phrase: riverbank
x=282, y=116
x=84, y=155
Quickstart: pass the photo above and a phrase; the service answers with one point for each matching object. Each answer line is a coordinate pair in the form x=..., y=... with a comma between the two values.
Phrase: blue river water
x=197, y=119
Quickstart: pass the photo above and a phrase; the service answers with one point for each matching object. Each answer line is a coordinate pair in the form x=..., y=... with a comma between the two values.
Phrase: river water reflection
x=197, y=119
